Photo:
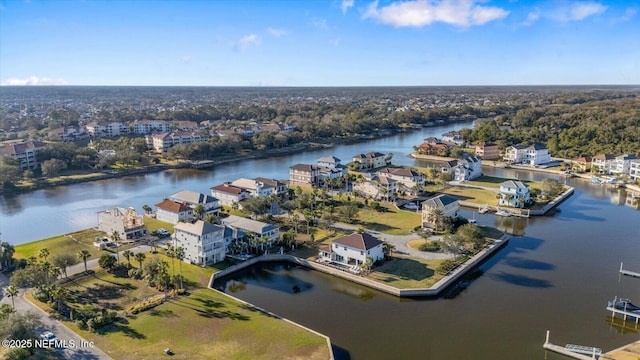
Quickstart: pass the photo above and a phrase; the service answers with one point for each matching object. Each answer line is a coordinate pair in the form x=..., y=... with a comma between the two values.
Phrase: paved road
x=400, y=242
x=60, y=330
x=80, y=351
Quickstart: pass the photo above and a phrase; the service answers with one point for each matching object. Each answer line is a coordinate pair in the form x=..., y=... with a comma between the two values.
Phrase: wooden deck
x=629, y=273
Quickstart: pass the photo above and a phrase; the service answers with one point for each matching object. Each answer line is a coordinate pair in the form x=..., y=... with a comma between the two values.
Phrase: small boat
x=596, y=180
x=624, y=305
x=473, y=219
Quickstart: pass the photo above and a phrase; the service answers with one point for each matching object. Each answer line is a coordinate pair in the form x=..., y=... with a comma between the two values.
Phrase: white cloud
x=246, y=41
x=628, y=15
x=577, y=11
x=419, y=13
x=532, y=17
x=346, y=5
x=276, y=32
x=320, y=24
x=34, y=80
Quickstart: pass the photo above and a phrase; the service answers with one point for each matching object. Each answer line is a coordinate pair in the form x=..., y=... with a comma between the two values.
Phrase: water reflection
x=512, y=225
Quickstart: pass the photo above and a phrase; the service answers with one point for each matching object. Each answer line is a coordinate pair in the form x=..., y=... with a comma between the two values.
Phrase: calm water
x=558, y=276
x=45, y=213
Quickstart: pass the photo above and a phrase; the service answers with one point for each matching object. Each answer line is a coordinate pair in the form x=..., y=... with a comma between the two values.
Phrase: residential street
x=60, y=330
x=81, y=350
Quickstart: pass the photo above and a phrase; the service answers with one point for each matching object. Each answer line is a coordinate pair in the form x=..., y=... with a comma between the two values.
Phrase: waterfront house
x=304, y=174
x=370, y=160
x=24, y=153
x=228, y=194
x=429, y=148
x=257, y=228
x=203, y=243
x=193, y=199
x=410, y=178
x=622, y=164
x=446, y=203
x=514, y=193
x=143, y=127
x=468, y=168
x=279, y=187
x=634, y=169
x=127, y=223
x=532, y=155
x=515, y=154
x=487, y=151
x=173, y=212
x=581, y=164
x=453, y=137
x=603, y=163
x=331, y=168
x=253, y=187
x=353, y=249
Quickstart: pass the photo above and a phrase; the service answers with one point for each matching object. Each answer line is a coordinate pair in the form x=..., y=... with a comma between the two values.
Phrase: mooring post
x=547, y=339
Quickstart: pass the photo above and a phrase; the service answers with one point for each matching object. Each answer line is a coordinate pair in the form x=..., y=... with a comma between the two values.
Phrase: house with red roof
x=353, y=249
x=173, y=212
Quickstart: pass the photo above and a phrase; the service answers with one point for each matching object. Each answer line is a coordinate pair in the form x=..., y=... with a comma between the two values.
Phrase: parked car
x=48, y=335
x=162, y=232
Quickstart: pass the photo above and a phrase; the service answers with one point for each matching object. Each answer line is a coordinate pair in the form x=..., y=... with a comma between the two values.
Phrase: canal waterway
x=556, y=273
x=63, y=209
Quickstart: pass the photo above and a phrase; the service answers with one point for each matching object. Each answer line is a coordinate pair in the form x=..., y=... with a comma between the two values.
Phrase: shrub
x=446, y=266
x=146, y=305
x=431, y=246
x=40, y=294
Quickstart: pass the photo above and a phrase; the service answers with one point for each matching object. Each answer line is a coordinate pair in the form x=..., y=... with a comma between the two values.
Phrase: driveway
x=81, y=348
x=400, y=242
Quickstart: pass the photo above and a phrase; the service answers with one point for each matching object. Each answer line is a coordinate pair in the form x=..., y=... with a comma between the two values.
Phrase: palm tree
x=55, y=272
x=147, y=209
x=388, y=248
x=84, y=254
x=44, y=252
x=179, y=251
x=170, y=253
x=295, y=219
x=435, y=217
x=11, y=291
x=115, y=237
x=140, y=258
x=127, y=255
x=59, y=294
x=199, y=210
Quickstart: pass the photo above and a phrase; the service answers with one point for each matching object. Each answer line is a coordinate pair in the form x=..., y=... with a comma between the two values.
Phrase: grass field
x=407, y=273
x=476, y=196
x=204, y=324
x=155, y=224
x=393, y=221
x=69, y=243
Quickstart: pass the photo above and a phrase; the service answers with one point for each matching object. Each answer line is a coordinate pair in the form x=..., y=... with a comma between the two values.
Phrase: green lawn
x=202, y=325
x=407, y=273
x=487, y=181
x=155, y=224
x=393, y=221
x=476, y=196
x=69, y=243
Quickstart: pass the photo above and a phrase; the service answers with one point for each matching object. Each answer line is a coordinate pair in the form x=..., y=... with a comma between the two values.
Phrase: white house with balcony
x=603, y=163
x=107, y=129
x=529, y=155
x=445, y=203
x=254, y=187
x=203, y=243
x=634, y=170
x=331, y=168
x=622, y=164
x=514, y=193
x=379, y=187
x=143, y=127
x=468, y=168
x=407, y=177
x=370, y=160
x=353, y=249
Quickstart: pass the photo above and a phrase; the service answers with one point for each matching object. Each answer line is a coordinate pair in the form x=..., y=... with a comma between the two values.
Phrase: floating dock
x=573, y=351
x=629, y=273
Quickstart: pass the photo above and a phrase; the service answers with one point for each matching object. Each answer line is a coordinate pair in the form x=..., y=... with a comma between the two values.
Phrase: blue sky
x=319, y=43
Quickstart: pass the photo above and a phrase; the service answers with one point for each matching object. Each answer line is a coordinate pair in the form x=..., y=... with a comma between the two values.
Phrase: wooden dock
x=566, y=352
x=629, y=273
x=624, y=314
